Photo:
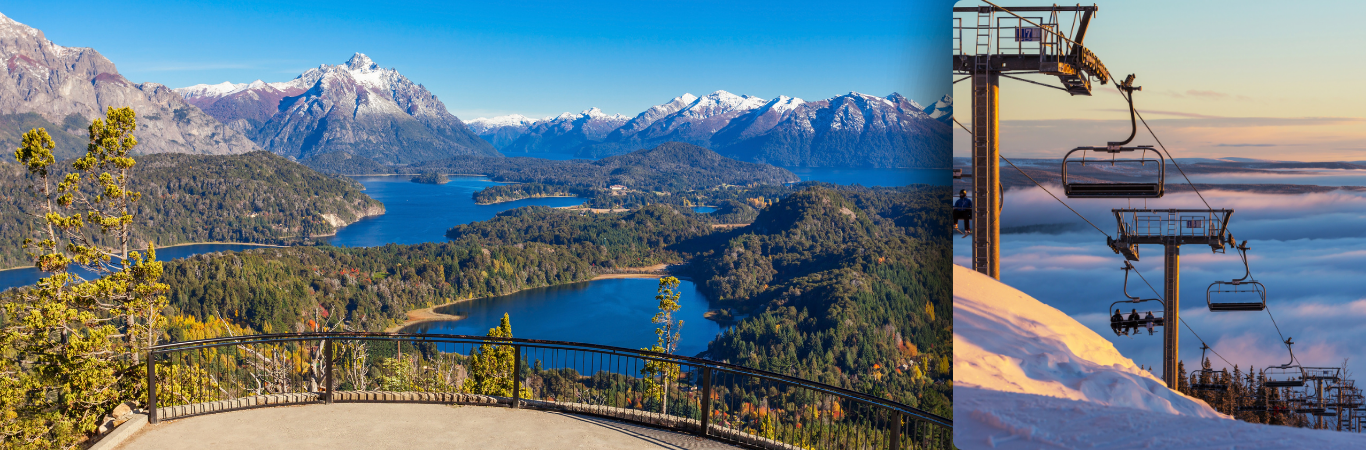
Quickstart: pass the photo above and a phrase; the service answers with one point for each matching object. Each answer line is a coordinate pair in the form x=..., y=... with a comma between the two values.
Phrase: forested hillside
x=270, y=290
x=642, y=237
x=848, y=288
x=255, y=197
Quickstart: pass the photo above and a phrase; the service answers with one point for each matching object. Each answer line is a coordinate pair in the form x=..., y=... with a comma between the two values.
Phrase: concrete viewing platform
x=405, y=426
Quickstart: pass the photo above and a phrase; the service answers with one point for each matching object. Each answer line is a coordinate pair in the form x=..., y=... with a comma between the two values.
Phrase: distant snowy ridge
x=850, y=130
x=1028, y=376
x=482, y=124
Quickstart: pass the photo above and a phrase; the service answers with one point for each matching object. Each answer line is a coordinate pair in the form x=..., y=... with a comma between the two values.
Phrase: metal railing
x=743, y=406
x=1172, y=222
x=1008, y=35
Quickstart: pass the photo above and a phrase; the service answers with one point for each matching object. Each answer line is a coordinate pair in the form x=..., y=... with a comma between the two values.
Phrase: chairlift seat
x=1246, y=288
x=1119, y=189
x=1237, y=306
x=1113, y=190
x=1284, y=383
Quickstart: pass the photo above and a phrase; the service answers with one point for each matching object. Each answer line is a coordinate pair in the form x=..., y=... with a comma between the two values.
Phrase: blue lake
x=26, y=276
x=417, y=212
x=612, y=312
x=704, y=209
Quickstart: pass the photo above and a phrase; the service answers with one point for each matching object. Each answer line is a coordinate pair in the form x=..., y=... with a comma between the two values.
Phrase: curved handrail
x=644, y=354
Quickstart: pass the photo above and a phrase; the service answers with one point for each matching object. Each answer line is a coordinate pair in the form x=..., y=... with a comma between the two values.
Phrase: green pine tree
x=72, y=346
x=667, y=337
x=491, y=365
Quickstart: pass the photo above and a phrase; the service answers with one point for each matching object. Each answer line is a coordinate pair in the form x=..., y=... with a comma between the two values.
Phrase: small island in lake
x=431, y=178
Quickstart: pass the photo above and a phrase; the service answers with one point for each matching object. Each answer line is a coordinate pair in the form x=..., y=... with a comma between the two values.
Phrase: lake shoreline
x=429, y=314
x=30, y=266
x=527, y=198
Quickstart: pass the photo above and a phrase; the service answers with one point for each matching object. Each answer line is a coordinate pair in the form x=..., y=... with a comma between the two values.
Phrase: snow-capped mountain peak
x=720, y=102
x=358, y=103
x=941, y=110
x=783, y=104
x=359, y=62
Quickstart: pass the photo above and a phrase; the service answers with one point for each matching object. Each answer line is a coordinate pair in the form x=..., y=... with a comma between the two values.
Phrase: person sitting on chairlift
x=1116, y=322
x=1151, y=322
x=1133, y=321
x=962, y=210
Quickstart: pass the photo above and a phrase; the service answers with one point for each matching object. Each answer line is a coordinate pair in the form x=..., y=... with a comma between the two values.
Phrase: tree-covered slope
x=256, y=197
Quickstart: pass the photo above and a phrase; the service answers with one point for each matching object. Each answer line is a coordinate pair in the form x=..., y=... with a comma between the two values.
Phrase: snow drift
x=1028, y=376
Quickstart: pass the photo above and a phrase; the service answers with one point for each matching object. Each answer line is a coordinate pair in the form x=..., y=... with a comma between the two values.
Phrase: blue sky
x=532, y=58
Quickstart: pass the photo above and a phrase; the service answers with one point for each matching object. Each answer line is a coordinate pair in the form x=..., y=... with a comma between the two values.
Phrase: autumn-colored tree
x=667, y=337
x=72, y=345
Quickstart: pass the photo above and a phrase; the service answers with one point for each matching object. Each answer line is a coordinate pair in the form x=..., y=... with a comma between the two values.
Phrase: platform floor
x=405, y=426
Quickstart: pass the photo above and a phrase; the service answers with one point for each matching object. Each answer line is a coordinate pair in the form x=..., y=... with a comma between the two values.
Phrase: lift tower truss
x=996, y=42
x=1170, y=228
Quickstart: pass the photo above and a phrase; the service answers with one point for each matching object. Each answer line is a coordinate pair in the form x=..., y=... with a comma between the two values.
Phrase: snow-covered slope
x=1027, y=376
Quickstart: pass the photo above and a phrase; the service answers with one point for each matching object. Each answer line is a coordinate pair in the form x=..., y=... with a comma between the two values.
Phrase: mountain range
x=357, y=107
x=851, y=130
x=362, y=109
x=522, y=135
x=63, y=88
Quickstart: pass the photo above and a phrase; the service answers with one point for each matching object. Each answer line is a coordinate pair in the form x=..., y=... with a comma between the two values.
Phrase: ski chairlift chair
x=1284, y=405
x=1238, y=289
x=1285, y=375
x=1143, y=155
x=1151, y=188
x=1311, y=405
x=1249, y=402
x=1125, y=324
x=1208, y=379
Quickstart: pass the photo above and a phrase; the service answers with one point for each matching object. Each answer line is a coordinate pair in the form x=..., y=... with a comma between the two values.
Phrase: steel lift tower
x=1170, y=228
x=1003, y=42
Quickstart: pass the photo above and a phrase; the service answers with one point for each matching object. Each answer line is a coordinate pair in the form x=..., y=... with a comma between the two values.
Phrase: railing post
x=896, y=430
x=327, y=373
x=706, y=402
x=516, y=376
x=151, y=387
